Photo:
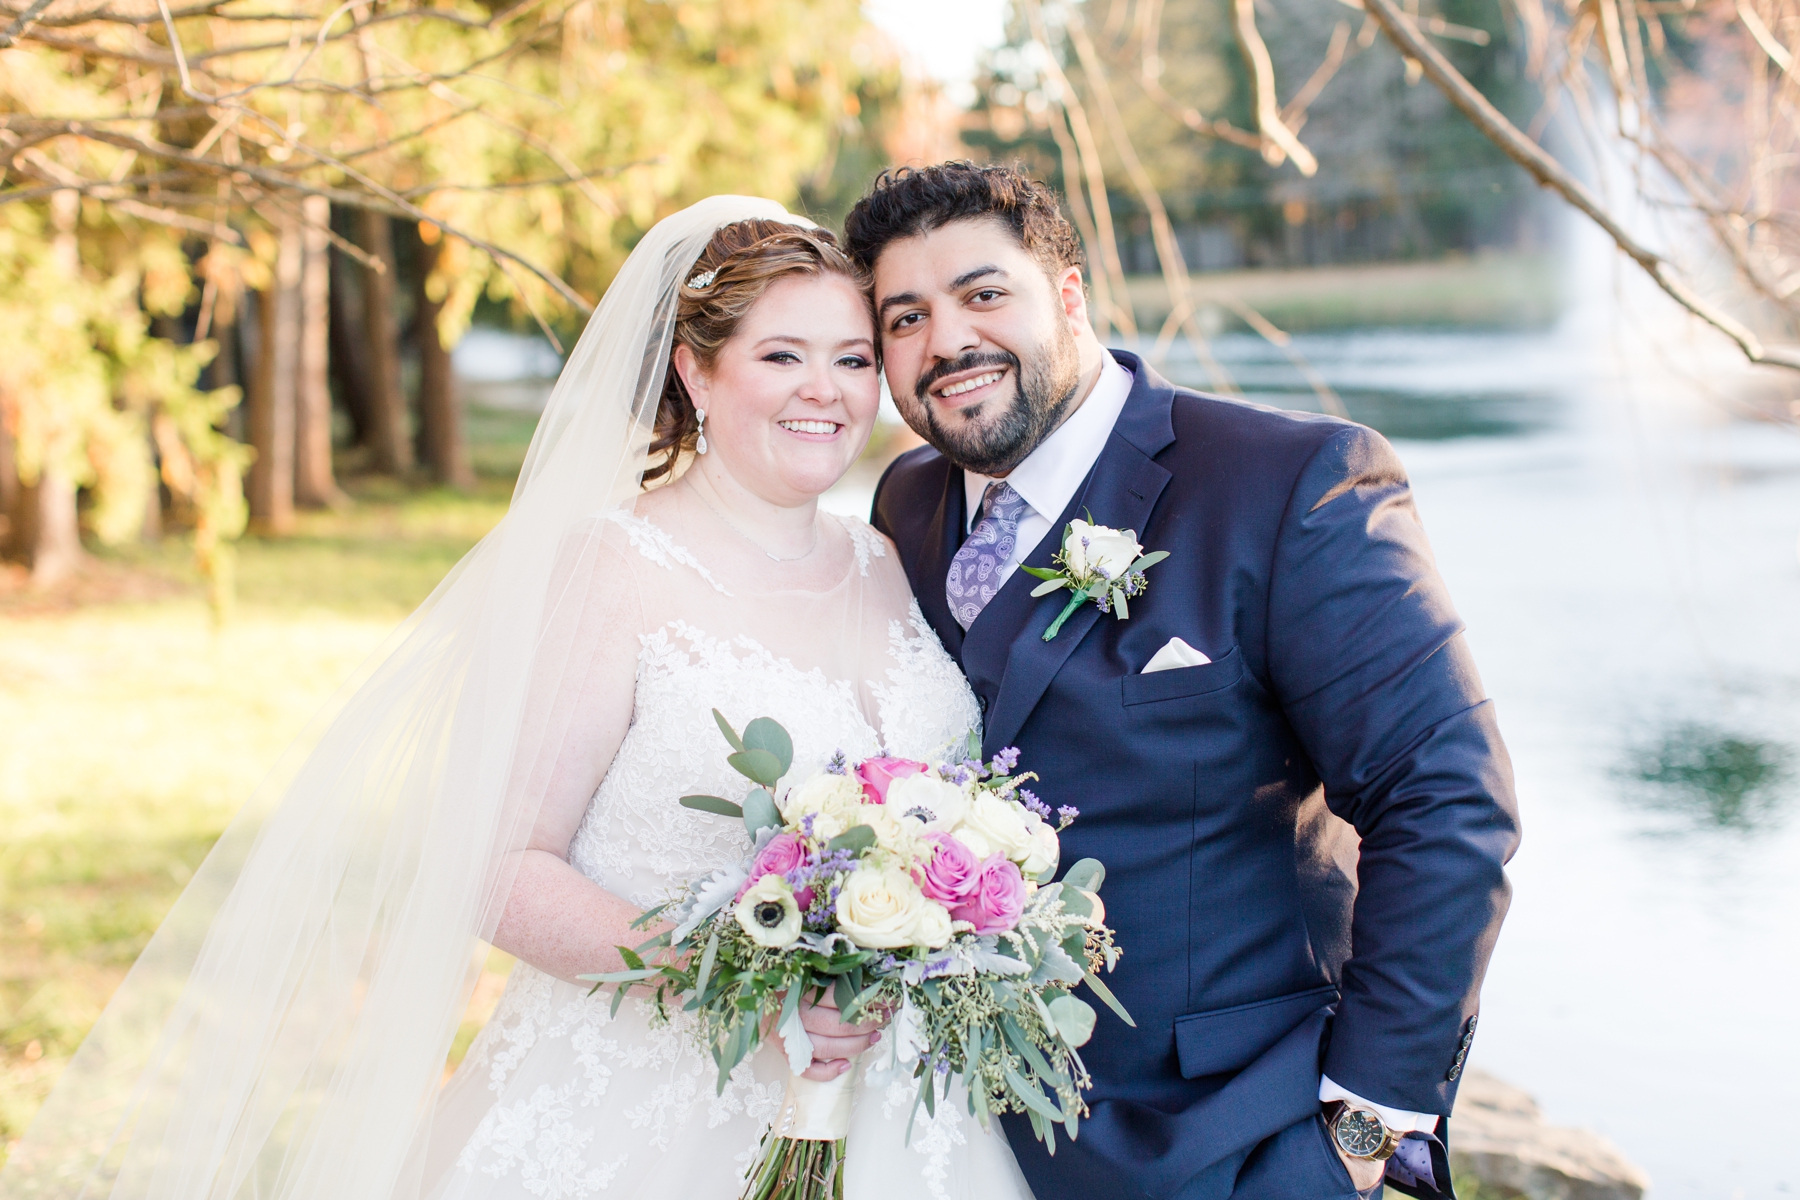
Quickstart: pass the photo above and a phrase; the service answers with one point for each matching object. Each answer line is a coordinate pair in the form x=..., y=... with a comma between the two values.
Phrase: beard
x=994, y=436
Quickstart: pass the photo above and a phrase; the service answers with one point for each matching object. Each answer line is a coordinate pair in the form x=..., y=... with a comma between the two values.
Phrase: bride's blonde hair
x=738, y=265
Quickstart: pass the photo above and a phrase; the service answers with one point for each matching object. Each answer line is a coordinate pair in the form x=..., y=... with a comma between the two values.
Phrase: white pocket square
x=1176, y=654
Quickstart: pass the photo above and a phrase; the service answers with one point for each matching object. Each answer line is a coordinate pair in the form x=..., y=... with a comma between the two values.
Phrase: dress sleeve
x=583, y=681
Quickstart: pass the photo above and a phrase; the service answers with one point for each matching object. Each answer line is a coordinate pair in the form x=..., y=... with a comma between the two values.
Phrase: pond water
x=1623, y=549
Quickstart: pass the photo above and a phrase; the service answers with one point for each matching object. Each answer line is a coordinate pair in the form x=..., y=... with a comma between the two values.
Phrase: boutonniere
x=1096, y=563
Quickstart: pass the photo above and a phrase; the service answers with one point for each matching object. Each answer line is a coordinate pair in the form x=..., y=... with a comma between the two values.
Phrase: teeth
x=809, y=426
x=969, y=385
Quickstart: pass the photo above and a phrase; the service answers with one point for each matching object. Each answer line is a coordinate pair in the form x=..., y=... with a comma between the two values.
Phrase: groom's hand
x=834, y=1042
x=1364, y=1173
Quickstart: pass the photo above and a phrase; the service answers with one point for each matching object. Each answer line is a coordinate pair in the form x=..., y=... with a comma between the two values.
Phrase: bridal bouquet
x=915, y=892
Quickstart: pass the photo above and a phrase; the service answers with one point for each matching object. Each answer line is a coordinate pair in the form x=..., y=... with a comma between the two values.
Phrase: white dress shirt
x=1047, y=480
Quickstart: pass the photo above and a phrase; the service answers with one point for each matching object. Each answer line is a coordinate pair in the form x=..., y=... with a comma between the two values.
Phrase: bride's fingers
x=824, y=1071
x=825, y=1048
x=821, y=1020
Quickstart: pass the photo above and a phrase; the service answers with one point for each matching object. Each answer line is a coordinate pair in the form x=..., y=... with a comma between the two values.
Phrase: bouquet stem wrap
x=816, y=1112
x=803, y=1156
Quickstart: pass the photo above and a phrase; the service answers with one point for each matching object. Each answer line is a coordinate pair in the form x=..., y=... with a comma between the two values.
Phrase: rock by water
x=1498, y=1138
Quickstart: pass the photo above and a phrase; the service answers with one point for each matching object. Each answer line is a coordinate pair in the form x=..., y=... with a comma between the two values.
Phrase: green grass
x=131, y=732
x=1486, y=291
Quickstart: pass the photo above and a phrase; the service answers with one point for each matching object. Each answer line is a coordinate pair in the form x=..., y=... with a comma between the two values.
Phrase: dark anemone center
x=769, y=913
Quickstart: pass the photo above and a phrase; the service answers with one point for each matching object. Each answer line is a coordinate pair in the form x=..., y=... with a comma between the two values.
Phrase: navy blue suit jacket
x=1226, y=800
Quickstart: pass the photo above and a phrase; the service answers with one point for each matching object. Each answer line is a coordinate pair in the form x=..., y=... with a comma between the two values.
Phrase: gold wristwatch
x=1360, y=1132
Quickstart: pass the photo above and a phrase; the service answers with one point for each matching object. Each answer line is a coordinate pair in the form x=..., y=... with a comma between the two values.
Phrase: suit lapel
x=931, y=566
x=1005, y=644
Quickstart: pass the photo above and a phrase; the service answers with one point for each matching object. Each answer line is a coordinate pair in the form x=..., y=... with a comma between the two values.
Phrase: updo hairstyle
x=744, y=259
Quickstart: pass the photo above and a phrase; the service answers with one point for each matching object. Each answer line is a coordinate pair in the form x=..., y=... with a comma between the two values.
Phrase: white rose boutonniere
x=1096, y=563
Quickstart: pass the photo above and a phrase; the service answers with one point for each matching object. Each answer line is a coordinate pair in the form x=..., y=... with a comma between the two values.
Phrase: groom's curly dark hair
x=908, y=201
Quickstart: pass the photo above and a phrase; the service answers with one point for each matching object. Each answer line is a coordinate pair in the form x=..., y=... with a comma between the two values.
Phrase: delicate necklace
x=772, y=555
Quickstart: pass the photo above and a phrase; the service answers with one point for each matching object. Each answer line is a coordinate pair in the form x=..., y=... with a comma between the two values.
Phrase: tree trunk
x=387, y=403
x=9, y=487
x=314, y=484
x=272, y=388
x=46, y=531
x=349, y=356
x=441, y=443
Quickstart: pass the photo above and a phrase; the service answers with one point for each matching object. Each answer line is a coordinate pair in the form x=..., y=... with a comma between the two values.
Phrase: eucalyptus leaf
x=1112, y=1001
x=1029, y=1095
x=1148, y=560
x=634, y=976
x=1053, y=585
x=708, y=957
x=648, y=915
x=1074, y=1019
x=765, y=733
x=759, y=766
x=855, y=839
x=1087, y=874
x=1118, y=599
x=760, y=812
x=713, y=804
x=1075, y=900
x=725, y=728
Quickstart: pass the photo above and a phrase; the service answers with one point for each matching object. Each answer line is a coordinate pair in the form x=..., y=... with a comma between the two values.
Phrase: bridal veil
x=284, y=1033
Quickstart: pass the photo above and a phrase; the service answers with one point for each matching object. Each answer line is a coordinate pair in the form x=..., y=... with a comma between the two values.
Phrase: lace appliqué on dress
x=934, y=1136
x=868, y=544
x=926, y=704
x=656, y=545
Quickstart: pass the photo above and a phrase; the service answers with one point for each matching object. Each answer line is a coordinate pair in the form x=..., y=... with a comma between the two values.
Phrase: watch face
x=1360, y=1132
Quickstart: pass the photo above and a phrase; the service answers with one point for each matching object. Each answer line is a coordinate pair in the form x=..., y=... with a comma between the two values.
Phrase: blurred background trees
x=242, y=242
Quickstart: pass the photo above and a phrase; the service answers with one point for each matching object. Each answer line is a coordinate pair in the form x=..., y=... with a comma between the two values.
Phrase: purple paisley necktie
x=975, y=571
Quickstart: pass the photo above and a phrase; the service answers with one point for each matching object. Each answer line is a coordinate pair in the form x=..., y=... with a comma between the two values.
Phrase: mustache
x=967, y=362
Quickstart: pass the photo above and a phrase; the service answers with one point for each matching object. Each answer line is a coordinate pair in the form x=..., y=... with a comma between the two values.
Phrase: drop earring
x=700, y=441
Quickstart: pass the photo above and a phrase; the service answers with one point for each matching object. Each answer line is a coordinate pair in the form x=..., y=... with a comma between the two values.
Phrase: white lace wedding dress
x=557, y=1100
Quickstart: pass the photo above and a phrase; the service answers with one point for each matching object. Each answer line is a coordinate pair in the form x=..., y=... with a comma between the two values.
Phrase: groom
x=1294, y=679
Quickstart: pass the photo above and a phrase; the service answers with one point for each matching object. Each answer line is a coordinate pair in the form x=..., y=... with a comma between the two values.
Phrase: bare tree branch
x=1551, y=174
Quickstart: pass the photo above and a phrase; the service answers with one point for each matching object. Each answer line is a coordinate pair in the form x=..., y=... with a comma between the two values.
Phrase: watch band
x=1360, y=1132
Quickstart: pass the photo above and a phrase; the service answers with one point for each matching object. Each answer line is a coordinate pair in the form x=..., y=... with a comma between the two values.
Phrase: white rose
x=1000, y=823
x=1046, y=847
x=1108, y=552
x=769, y=913
x=891, y=833
x=932, y=928
x=933, y=803
x=975, y=840
x=883, y=909
x=832, y=799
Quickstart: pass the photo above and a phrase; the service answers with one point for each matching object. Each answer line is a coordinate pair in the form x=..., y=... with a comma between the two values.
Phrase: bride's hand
x=834, y=1042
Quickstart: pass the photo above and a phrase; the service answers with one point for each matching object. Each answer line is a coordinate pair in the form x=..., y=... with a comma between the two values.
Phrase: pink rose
x=784, y=852
x=877, y=773
x=951, y=874
x=997, y=899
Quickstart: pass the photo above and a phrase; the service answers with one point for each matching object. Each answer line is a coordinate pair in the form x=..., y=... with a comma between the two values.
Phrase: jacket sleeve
x=1367, y=658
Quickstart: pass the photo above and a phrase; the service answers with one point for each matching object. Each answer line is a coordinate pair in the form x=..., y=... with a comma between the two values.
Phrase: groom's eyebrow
x=956, y=285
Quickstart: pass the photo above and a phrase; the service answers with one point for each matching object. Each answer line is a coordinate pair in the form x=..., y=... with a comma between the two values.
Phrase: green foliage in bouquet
x=966, y=950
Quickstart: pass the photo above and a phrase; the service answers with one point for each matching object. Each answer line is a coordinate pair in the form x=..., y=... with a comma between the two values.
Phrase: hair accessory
x=703, y=280
x=700, y=442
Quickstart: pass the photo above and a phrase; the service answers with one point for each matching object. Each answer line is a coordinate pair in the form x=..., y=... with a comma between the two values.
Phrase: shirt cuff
x=1397, y=1119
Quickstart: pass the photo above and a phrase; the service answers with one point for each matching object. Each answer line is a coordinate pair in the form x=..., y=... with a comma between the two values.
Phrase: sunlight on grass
x=129, y=735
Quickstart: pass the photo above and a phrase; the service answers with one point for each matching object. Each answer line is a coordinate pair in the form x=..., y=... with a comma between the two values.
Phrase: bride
x=509, y=775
